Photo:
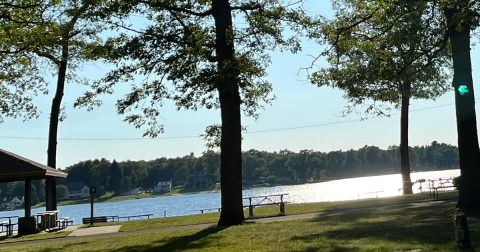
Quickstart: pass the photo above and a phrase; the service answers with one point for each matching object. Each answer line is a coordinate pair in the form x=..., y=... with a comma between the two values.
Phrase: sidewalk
x=93, y=230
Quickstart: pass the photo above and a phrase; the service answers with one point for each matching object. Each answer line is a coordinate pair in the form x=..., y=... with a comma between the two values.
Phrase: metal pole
x=93, y=190
x=91, y=209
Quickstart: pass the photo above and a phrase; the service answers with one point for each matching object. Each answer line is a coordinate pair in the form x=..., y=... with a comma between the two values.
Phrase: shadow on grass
x=193, y=241
x=430, y=226
x=332, y=248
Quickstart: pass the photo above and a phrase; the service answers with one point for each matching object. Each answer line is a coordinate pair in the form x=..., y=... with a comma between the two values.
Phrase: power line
x=345, y=121
x=248, y=132
x=303, y=127
x=126, y=139
x=99, y=139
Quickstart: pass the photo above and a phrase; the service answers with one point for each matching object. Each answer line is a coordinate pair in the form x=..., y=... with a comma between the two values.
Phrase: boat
x=10, y=208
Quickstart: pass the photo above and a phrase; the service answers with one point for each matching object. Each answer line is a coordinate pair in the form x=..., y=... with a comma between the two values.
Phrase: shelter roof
x=17, y=168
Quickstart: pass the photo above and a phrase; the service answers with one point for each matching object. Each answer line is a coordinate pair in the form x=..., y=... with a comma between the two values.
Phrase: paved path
x=111, y=231
x=95, y=230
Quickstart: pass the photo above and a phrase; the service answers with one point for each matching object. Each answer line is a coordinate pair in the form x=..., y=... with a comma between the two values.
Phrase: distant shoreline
x=109, y=197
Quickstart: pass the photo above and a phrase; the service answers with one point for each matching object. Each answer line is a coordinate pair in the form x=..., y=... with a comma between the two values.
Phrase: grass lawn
x=355, y=227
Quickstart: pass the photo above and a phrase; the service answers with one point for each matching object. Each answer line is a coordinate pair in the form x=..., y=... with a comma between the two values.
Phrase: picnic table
x=264, y=200
x=47, y=220
x=7, y=225
x=436, y=185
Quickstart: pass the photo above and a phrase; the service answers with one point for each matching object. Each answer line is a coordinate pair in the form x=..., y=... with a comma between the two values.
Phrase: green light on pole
x=463, y=90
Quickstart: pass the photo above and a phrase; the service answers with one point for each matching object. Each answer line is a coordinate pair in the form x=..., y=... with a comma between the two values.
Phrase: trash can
x=26, y=225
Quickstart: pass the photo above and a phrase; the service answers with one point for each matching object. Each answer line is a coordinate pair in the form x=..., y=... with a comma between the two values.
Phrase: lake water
x=189, y=204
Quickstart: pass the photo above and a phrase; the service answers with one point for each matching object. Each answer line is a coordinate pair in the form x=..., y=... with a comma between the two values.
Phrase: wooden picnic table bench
x=47, y=220
x=94, y=220
x=63, y=222
x=436, y=185
x=265, y=200
x=7, y=225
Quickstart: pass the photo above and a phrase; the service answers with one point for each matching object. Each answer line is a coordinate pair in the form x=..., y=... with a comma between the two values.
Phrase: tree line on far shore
x=259, y=167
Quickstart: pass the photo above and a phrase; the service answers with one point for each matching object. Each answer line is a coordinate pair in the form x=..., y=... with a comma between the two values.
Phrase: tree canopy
x=200, y=54
x=436, y=25
x=20, y=27
x=374, y=47
x=378, y=53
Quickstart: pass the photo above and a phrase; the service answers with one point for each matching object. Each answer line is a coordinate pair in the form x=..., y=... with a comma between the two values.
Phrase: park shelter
x=16, y=168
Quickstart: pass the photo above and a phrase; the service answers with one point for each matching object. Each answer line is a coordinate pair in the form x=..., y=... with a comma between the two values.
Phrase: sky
x=302, y=116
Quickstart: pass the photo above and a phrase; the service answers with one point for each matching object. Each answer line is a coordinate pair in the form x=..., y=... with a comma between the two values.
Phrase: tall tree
x=67, y=37
x=462, y=18
x=379, y=53
x=213, y=54
x=43, y=33
x=116, y=175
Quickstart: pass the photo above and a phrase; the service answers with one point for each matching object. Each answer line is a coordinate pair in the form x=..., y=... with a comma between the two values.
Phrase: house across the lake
x=163, y=186
x=78, y=190
x=12, y=204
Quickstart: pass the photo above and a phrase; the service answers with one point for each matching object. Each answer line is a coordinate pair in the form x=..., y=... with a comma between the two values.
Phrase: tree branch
x=48, y=56
x=177, y=9
x=248, y=7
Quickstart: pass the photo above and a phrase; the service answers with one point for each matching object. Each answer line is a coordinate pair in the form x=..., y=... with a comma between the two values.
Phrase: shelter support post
x=28, y=198
x=27, y=224
x=51, y=194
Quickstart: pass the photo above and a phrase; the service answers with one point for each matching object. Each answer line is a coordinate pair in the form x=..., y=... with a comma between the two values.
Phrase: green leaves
x=173, y=55
x=20, y=74
x=377, y=46
x=35, y=37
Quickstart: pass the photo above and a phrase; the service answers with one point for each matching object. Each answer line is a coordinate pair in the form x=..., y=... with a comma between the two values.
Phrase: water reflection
x=353, y=188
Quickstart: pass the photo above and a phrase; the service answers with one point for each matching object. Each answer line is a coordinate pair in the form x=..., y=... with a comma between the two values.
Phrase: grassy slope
x=354, y=228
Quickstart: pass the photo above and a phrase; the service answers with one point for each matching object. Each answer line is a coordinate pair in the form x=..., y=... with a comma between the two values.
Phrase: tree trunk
x=50, y=184
x=231, y=138
x=459, y=33
x=404, y=152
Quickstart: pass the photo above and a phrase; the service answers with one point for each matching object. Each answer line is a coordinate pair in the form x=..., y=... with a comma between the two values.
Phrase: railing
x=134, y=217
x=369, y=193
x=210, y=210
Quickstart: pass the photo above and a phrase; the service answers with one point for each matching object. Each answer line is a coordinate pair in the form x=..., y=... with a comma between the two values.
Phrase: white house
x=16, y=202
x=12, y=204
x=78, y=190
x=163, y=186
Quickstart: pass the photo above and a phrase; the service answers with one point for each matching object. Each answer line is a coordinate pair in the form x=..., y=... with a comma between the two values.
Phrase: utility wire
x=248, y=132
x=345, y=121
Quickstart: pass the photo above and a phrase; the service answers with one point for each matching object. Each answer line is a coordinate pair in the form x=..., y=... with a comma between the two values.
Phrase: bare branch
x=48, y=56
x=177, y=9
